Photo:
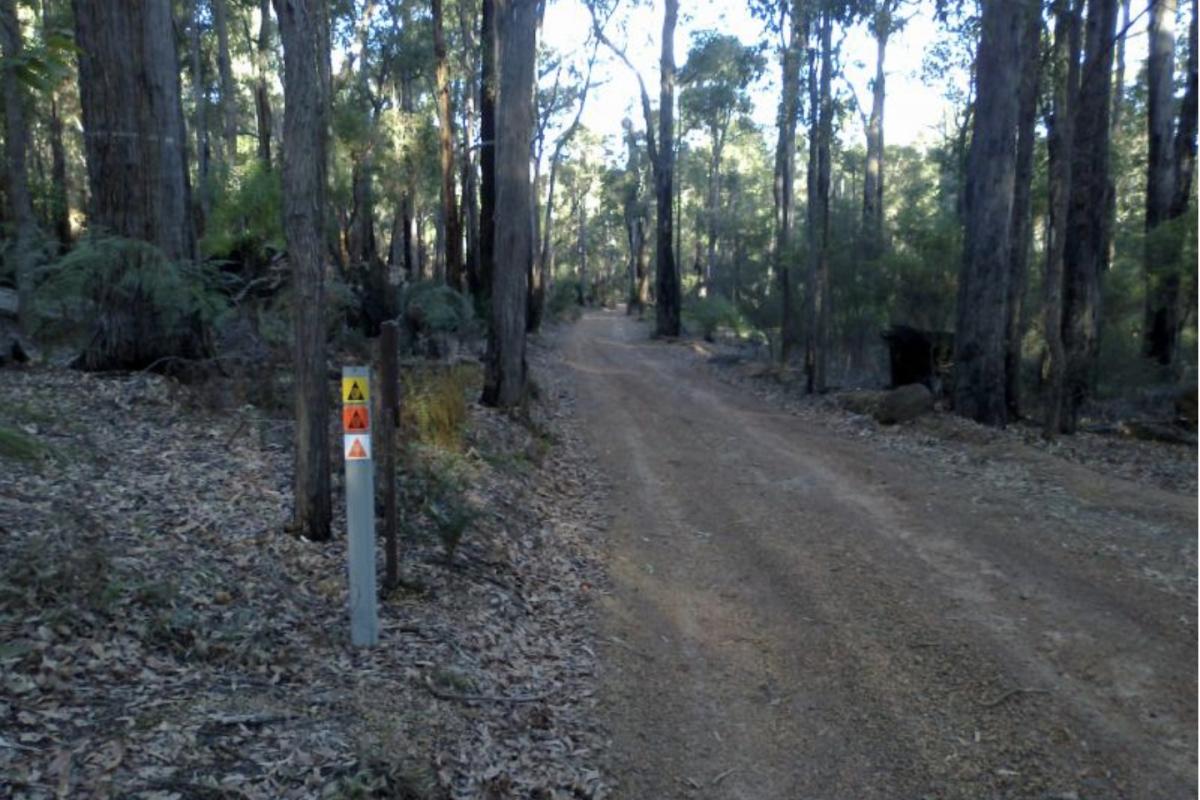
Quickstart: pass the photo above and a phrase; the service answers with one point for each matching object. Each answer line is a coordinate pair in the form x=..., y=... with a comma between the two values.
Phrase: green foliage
x=434, y=407
x=563, y=301
x=246, y=223
x=433, y=307
x=709, y=314
x=108, y=274
x=17, y=446
x=439, y=480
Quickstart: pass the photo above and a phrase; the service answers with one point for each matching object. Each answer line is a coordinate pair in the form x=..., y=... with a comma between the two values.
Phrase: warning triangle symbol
x=356, y=450
x=358, y=420
x=356, y=395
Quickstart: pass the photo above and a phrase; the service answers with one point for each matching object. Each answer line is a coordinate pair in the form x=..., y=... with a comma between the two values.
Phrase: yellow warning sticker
x=357, y=448
x=354, y=390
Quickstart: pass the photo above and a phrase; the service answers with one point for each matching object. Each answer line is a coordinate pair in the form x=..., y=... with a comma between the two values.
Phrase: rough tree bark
x=817, y=285
x=516, y=29
x=59, y=217
x=452, y=244
x=229, y=105
x=1086, y=255
x=667, y=308
x=262, y=90
x=1060, y=135
x=303, y=29
x=470, y=162
x=200, y=121
x=1022, y=218
x=1160, y=268
x=16, y=140
x=784, y=181
x=979, y=341
x=487, y=145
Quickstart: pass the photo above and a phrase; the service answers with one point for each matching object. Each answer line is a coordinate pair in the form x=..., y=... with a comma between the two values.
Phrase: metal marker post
x=360, y=504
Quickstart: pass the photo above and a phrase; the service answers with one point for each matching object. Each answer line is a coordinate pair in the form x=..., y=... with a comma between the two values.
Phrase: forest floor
x=803, y=604
x=162, y=634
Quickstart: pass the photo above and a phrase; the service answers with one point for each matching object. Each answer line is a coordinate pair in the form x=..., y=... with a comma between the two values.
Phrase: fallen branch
x=1011, y=693
x=723, y=776
x=483, y=698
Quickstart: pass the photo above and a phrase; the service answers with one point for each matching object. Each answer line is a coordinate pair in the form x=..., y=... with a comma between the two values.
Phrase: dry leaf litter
x=162, y=636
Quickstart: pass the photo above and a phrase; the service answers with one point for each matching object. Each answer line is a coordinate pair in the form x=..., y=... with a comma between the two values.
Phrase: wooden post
x=389, y=420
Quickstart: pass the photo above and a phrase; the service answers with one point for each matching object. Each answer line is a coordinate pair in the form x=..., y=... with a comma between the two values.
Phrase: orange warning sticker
x=355, y=419
x=357, y=447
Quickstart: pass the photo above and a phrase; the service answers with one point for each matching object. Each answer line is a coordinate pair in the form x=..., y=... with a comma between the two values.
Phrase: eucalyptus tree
x=16, y=139
x=304, y=31
x=979, y=378
x=668, y=294
x=1169, y=167
x=715, y=83
x=1088, y=227
x=516, y=33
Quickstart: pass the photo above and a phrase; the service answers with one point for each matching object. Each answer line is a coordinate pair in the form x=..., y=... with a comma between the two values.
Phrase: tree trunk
x=229, y=104
x=452, y=237
x=983, y=290
x=1185, y=131
x=303, y=28
x=516, y=28
x=712, y=204
x=817, y=290
x=585, y=294
x=667, y=308
x=59, y=216
x=408, y=194
x=1161, y=269
x=1060, y=135
x=262, y=90
x=784, y=189
x=1022, y=218
x=1085, y=258
x=200, y=124
x=16, y=139
x=872, y=217
x=487, y=145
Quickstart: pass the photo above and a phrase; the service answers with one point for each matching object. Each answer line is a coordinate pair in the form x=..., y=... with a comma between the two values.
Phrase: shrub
x=433, y=307
x=246, y=224
x=713, y=312
x=434, y=407
x=136, y=306
x=563, y=302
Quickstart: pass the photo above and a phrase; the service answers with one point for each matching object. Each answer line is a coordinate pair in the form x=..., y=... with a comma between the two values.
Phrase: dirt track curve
x=795, y=614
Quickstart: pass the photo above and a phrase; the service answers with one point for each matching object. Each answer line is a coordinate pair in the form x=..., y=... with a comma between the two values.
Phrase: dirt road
x=796, y=614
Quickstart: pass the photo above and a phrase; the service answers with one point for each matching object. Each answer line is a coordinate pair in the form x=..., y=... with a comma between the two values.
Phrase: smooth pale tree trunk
x=1022, y=217
x=817, y=289
x=452, y=237
x=1064, y=71
x=979, y=341
x=668, y=294
x=581, y=248
x=516, y=29
x=1088, y=226
x=872, y=212
x=784, y=182
x=303, y=29
x=487, y=144
x=229, y=104
x=16, y=138
x=717, y=140
x=262, y=90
